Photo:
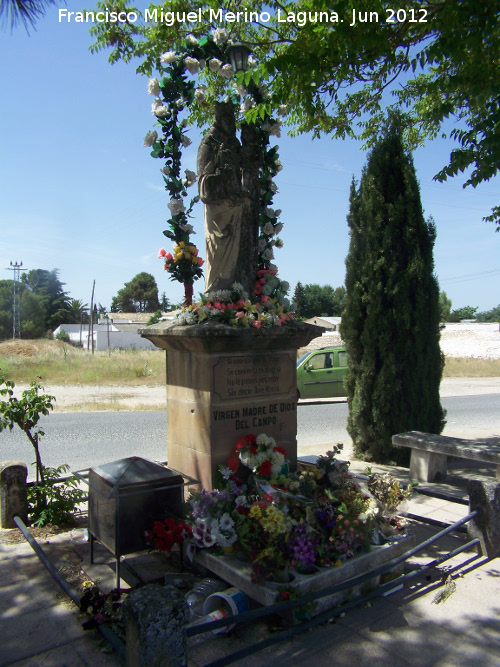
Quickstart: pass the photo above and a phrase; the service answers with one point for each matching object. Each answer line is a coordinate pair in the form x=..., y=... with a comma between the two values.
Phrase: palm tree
x=13, y=12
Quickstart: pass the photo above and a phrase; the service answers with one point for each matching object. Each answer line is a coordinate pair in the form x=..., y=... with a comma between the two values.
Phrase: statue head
x=225, y=120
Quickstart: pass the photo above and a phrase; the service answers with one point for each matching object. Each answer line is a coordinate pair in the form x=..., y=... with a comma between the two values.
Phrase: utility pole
x=16, y=309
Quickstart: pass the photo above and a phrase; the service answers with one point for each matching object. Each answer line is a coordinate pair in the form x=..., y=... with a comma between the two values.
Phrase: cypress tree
x=390, y=323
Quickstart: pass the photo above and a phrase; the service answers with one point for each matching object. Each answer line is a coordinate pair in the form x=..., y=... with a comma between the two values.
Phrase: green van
x=320, y=373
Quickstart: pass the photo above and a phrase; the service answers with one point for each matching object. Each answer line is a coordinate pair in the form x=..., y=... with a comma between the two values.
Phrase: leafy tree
x=299, y=298
x=77, y=312
x=390, y=323
x=55, y=301
x=492, y=315
x=444, y=307
x=140, y=295
x=25, y=412
x=27, y=12
x=323, y=301
x=438, y=58
x=164, y=303
x=32, y=315
x=465, y=313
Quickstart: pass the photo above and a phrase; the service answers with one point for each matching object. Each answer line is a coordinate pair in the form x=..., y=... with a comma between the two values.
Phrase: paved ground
x=39, y=625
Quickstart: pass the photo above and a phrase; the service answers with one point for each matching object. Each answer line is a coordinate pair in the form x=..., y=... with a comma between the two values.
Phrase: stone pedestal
x=223, y=383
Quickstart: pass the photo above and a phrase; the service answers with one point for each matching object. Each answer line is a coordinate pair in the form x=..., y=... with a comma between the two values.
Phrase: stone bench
x=429, y=453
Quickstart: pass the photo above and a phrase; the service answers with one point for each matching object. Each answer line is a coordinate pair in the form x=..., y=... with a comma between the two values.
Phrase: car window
x=342, y=358
x=318, y=361
x=301, y=359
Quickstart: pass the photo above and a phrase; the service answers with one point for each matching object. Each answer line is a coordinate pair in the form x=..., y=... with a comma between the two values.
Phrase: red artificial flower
x=279, y=449
x=257, y=288
x=233, y=462
x=265, y=469
x=253, y=449
x=284, y=596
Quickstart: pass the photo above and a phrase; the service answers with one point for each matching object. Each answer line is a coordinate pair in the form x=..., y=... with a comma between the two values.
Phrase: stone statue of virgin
x=228, y=174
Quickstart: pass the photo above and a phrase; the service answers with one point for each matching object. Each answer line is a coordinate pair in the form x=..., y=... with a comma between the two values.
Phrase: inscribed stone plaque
x=255, y=376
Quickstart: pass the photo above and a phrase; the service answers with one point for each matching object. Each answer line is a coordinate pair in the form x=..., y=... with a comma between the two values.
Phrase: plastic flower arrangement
x=166, y=534
x=206, y=59
x=314, y=517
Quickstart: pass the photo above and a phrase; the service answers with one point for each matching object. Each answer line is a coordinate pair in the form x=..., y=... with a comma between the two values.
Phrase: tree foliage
x=314, y=300
x=390, y=323
x=492, y=315
x=55, y=301
x=464, y=313
x=444, y=307
x=27, y=12
x=140, y=295
x=32, y=316
x=434, y=60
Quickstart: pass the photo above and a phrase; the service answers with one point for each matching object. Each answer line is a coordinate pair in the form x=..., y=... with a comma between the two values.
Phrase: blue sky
x=80, y=193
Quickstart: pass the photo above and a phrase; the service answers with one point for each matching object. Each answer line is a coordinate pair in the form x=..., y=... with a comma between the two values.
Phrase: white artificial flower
x=278, y=243
x=226, y=71
x=191, y=39
x=161, y=112
x=192, y=64
x=261, y=244
x=176, y=206
x=268, y=228
x=186, y=141
x=278, y=212
x=184, y=122
x=165, y=170
x=225, y=522
x=154, y=87
x=191, y=317
x=273, y=187
x=220, y=36
x=240, y=501
x=241, y=90
x=246, y=105
x=269, y=212
x=214, y=64
x=168, y=57
x=278, y=165
x=272, y=129
x=187, y=228
x=224, y=470
x=267, y=289
x=285, y=285
x=273, y=267
x=190, y=177
x=199, y=94
x=268, y=254
x=150, y=138
x=283, y=110
x=278, y=228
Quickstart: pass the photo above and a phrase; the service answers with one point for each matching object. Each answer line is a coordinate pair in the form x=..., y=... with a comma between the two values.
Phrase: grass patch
x=57, y=362
x=471, y=368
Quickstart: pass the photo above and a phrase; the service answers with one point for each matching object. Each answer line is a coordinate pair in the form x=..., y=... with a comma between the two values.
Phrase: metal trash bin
x=125, y=497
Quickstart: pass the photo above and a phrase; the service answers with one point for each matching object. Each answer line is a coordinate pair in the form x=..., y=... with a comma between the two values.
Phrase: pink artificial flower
x=264, y=298
x=195, y=253
x=240, y=314
x=257, y=288
x=162, y=253
x=169, y=256
x=256, y=324
x=240, y=303
x=291, y=315
x=262, y=281
x=201, y=261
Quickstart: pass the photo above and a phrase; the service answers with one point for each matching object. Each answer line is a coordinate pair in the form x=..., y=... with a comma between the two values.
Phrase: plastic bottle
x=199, y=593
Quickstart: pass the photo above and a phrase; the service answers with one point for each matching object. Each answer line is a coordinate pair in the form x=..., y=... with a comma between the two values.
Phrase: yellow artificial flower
x=255, y=512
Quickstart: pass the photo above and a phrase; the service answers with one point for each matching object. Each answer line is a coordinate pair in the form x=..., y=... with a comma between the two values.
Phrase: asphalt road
x=85, y=439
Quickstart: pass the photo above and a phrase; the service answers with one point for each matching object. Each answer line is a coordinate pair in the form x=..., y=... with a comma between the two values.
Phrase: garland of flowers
x=173, y=94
